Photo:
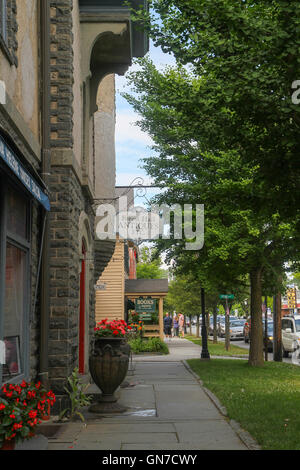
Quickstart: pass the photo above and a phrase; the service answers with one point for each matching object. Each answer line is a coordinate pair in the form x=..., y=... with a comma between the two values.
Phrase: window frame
x=3, y=22
x=7, y=237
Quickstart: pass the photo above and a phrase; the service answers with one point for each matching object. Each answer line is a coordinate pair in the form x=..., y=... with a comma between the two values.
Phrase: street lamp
x=204, y=352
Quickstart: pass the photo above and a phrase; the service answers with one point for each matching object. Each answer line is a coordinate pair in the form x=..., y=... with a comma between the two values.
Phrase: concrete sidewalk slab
x=167, y=409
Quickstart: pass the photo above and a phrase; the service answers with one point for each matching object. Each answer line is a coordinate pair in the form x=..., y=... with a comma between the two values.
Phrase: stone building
x=57, y=62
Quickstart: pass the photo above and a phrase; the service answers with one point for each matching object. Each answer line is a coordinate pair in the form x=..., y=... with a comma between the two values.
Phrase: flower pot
x=8, y=445
x=108, y=367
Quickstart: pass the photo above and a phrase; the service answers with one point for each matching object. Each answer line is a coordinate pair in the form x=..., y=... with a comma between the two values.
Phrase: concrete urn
x=108, y=363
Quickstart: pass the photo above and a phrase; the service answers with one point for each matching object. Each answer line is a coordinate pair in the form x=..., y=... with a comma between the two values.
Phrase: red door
x=82, y=312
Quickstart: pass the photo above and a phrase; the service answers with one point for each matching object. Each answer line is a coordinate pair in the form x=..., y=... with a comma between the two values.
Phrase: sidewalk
x=167, y=408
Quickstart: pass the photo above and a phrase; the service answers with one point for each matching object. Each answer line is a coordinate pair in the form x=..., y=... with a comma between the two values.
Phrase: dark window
x=8, y=30
x=3, y=19
x=14, y=282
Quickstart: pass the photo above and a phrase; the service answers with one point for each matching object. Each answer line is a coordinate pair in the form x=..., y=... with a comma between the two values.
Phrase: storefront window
x=16, y=214
x=14, y=304
x=14, y=284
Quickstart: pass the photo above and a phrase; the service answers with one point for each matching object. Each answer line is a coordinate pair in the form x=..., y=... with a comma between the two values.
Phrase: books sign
x=143, y=305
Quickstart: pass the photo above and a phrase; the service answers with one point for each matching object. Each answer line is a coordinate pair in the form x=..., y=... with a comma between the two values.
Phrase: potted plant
x=22, y=407
x=77, y=397
x=108, y=362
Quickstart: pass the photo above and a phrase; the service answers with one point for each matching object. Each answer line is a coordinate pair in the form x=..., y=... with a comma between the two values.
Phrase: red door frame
x=82, y=312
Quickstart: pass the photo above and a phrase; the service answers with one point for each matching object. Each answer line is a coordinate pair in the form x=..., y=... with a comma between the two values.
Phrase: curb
x=244, y=436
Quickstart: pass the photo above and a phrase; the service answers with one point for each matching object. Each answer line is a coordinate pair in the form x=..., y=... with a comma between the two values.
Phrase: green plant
x=78, y=399
x=140, y=345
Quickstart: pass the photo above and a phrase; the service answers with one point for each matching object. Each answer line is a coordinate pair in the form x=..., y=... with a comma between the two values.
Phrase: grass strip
x=219, y=349
x=264, y=400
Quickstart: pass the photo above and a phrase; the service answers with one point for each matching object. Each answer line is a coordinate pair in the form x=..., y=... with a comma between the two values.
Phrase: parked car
x=236, y=330
x=269, y=336
x=232, y=322
x=221, y=327
x=290, y=334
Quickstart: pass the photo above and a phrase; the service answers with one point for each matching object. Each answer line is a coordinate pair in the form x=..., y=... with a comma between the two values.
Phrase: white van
x=290, y=331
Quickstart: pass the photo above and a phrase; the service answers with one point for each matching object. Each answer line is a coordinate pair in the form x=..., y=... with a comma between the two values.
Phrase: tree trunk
x=277, y=339
x=198, y=326
x=256, y=356
x=215, y=340
x=191, y=325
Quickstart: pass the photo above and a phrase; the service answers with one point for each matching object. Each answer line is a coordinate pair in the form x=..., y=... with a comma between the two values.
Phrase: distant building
x=290, y=302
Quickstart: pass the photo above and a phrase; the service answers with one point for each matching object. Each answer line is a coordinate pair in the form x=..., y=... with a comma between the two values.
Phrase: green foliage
x=78, y=399
x=149, y=267
x=140, y=345
x=226, y=135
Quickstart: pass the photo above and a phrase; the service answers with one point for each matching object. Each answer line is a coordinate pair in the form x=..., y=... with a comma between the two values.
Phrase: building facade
x=57, y=62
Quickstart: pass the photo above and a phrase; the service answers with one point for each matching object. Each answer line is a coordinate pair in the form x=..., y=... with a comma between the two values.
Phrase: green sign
x=145, y=316
x=229, y=296
x=143, y=305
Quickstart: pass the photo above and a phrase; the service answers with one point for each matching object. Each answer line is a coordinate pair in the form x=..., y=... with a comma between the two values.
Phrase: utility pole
x=204, y=351
x=227, y=326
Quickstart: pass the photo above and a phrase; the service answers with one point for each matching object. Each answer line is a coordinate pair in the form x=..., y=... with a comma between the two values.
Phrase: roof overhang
x=109, y=40
x=146, y=287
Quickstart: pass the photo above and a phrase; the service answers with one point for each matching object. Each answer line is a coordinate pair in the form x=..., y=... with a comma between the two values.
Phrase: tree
x=221, y=133
x=149, y=267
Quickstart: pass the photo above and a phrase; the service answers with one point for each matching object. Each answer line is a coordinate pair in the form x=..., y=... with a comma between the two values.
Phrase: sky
x=131, y=143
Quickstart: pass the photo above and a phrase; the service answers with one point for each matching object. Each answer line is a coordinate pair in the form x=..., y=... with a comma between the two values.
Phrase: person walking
x=176, y=325
x=168, y=326
x=181, y=324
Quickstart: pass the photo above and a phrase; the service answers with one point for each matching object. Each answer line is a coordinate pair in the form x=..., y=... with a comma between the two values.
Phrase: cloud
x=127, y=131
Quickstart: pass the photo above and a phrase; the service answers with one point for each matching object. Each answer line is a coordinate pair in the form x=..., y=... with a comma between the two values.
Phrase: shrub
x=140, y=345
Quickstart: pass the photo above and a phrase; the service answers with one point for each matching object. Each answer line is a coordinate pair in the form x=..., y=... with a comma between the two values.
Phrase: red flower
x=17, y=426
x=2, y=406
x=32, y=414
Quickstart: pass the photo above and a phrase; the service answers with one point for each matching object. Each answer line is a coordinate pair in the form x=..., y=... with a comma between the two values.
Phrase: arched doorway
x=82, y=314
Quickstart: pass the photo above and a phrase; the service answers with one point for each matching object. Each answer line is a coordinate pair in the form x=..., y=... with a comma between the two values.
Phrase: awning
x=22, y=174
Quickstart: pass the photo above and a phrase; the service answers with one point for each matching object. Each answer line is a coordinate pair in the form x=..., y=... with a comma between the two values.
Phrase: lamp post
x=204, y=352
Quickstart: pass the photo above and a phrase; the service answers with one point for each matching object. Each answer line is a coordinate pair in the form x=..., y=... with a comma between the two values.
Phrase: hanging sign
x=147, y=305
x=101, y=286
x=22, y=174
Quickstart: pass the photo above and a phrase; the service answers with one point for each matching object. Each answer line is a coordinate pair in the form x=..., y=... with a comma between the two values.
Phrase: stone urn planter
x=108, y=365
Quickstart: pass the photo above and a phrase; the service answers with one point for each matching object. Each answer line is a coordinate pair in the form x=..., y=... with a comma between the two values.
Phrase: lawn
x=264, y=400
x=219, y=348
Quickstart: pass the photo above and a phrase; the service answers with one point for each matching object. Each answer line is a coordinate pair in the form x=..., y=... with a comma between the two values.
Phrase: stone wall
x=62, y=76
x=67, y=203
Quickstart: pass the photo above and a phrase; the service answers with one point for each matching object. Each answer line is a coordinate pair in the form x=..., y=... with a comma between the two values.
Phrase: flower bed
x=115, y=328
x=22, y=407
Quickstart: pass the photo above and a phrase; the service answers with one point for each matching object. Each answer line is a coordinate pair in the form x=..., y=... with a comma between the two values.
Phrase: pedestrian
x=176, y=325
x=181, y=324
x=168, y=325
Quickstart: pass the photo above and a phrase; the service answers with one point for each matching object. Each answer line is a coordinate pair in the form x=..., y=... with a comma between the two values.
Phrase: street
x=241, y=343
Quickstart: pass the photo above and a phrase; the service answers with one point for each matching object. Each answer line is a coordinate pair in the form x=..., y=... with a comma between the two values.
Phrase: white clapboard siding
x=110, y=302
